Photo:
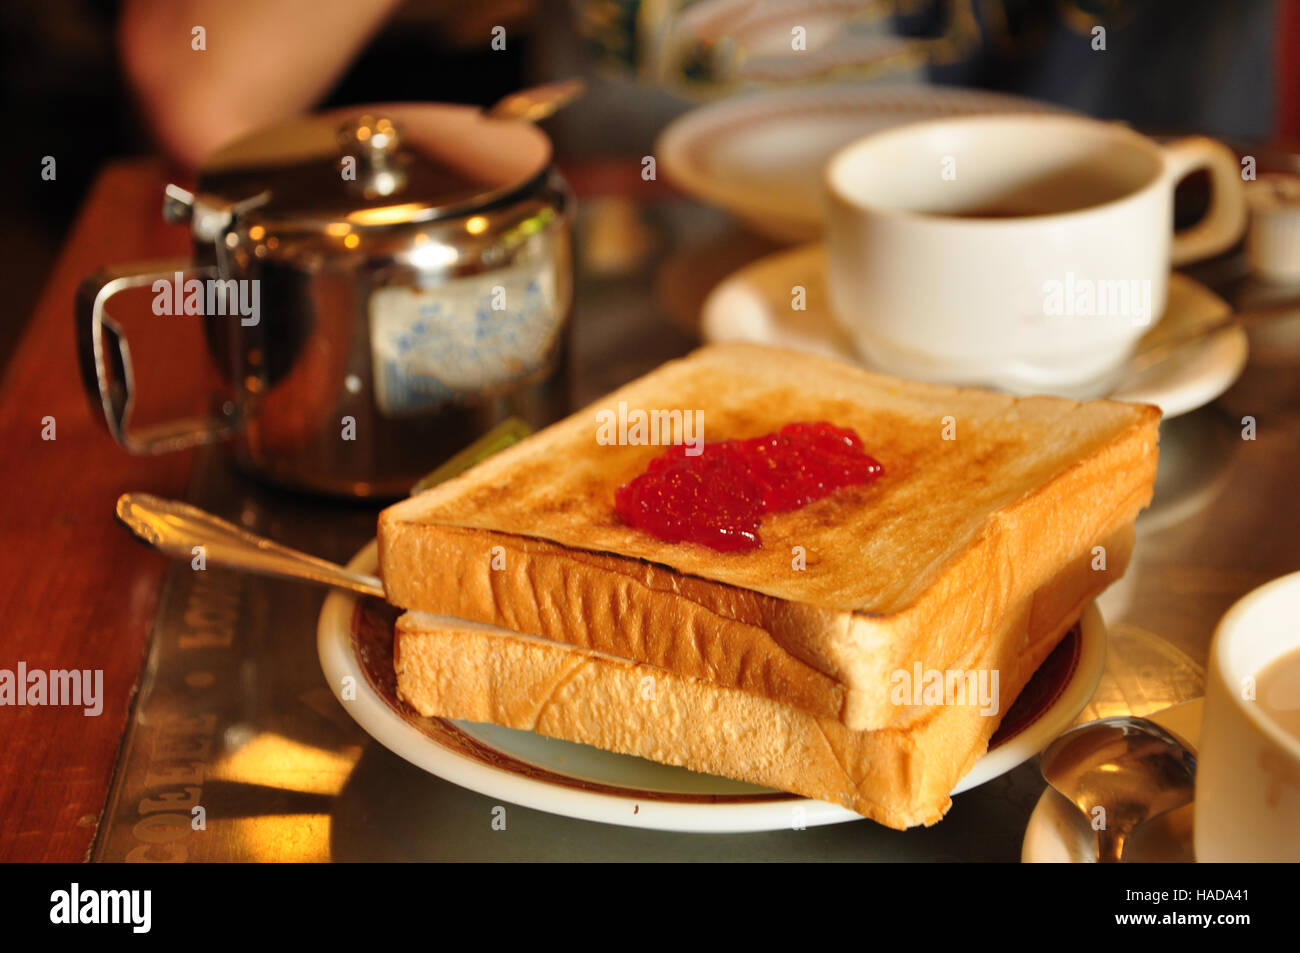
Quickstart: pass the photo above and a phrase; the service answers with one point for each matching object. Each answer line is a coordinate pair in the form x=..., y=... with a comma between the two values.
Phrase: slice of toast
x=898, y=777
x=992, y=514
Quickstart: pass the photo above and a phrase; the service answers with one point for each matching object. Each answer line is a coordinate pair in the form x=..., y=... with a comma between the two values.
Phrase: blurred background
x=88, y=82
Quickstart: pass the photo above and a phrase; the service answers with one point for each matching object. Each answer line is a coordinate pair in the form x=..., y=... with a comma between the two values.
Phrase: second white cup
x=1248, y=765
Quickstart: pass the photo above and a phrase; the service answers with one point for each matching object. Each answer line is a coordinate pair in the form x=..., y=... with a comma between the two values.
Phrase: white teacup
x=1248, y=767
x=1027, y=252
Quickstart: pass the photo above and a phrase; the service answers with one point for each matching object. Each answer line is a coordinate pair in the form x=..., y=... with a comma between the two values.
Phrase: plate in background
x=760, y=156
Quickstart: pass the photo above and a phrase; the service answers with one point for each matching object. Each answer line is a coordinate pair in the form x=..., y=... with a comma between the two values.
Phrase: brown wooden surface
x=75, y=590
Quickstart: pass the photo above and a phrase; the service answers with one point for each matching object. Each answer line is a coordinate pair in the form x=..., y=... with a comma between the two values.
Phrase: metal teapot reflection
x=378, y=287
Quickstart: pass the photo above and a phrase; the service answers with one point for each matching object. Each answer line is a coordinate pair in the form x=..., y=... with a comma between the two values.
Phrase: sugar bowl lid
x=376, y=165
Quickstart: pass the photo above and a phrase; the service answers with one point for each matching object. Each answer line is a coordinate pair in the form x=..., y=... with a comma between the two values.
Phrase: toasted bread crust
x=899, y=777
x=949, y=555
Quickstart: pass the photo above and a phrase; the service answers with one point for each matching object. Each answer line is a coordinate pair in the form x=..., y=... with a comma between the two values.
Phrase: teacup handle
x=1225, y=221
x=105, y=361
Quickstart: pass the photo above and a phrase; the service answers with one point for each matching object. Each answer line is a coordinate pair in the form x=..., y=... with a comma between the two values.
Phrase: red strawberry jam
x=718, y=497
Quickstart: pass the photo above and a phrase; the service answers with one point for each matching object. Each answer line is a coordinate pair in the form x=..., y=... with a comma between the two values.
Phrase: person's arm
x=265, y=60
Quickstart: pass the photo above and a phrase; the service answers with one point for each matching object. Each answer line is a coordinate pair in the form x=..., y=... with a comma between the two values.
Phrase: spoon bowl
x=1120, y=772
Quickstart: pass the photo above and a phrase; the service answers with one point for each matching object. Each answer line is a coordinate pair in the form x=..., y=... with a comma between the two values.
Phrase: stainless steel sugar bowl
x=378, y=286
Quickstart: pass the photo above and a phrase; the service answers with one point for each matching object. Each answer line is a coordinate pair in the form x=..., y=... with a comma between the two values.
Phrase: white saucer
x=586, y=783
x=760, y=156
x=754, y=304
x=1058, y=833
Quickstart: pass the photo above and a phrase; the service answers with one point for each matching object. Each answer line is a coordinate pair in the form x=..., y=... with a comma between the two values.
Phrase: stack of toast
x=995, y=522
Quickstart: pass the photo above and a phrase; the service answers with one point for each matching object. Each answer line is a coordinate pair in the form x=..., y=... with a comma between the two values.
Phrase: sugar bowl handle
x=105, y=360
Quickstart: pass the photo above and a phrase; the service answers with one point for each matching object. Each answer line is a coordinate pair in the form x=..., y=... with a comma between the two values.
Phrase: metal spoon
x=1129, y=767
x=177, y=528
x=538, y=102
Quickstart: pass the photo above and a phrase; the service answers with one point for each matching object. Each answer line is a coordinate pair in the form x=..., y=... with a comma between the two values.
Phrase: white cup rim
x=1117, y=130
x=1233, y=620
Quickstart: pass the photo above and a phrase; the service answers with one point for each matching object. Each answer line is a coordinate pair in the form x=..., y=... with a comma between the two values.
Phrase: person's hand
x=207, y=71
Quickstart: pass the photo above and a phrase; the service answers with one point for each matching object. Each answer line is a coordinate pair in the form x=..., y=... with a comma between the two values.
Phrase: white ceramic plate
x=583, y=782
x=754, y=304
x=760, y=156
x=1058, y=833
